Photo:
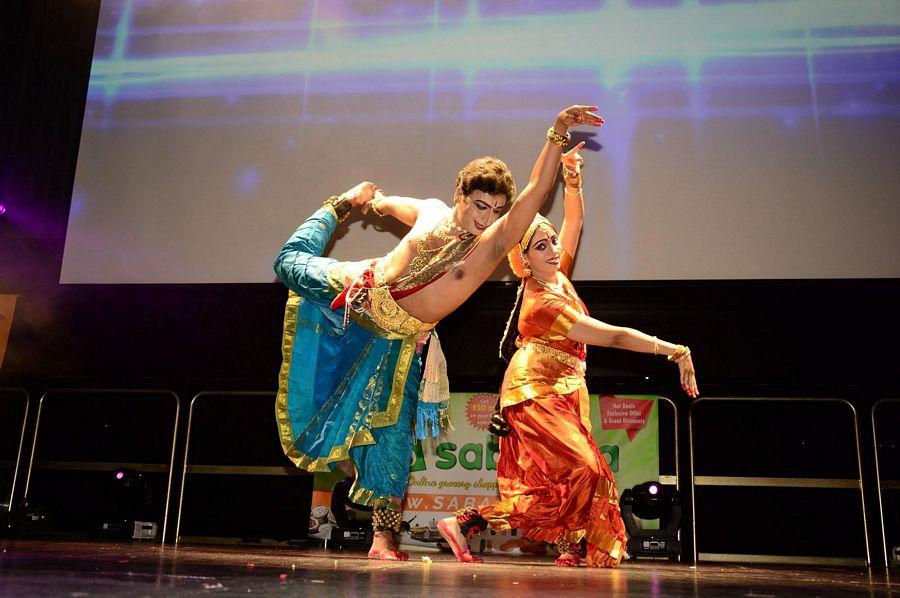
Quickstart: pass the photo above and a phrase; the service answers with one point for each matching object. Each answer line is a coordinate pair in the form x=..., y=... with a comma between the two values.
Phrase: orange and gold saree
x=555, y=486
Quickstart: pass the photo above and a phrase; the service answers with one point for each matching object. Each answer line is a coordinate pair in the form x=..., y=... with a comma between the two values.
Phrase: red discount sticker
x=479, y=410
x=620, y=413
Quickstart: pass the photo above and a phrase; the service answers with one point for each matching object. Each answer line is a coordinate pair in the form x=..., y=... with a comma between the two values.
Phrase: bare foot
x=599, y=558
x=567, y=559
x=449, y=529
x=384, y=547
x=360, y=194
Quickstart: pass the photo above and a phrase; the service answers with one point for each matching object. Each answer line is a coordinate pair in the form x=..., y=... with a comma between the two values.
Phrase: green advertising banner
x=626, y=428
x=461, y=468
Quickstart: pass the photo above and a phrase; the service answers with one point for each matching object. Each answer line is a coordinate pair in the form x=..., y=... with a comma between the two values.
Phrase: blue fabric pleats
x=348, y=393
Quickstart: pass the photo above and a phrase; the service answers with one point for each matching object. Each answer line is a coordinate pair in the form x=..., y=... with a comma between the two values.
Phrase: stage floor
x=82, y=569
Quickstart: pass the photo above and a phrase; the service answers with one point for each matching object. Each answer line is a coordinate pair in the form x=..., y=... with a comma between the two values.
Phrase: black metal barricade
x=778, y=481
x=101, y=462
x=233, y=451
x=14, y=405
x=886, y=438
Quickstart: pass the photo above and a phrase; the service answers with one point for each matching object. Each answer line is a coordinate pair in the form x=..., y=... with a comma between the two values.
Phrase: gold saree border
x=391, y=412
x=282, y=419
x=565, y=320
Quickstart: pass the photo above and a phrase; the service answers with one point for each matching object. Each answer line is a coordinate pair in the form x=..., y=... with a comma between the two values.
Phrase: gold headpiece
x=516, y=256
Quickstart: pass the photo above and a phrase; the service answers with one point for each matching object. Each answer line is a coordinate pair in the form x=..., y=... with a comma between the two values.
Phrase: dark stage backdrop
x=750, y=337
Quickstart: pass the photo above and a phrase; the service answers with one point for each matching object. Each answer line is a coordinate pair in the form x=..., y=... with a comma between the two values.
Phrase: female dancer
x=554, y=484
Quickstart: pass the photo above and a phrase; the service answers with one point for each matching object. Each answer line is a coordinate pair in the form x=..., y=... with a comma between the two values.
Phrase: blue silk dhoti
x=348, y=388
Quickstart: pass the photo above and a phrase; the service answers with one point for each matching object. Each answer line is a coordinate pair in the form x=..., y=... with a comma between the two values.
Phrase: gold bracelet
x=374, y=205
x=572, y=178
x=681, y=351
x=557, y=139
x=655, y=346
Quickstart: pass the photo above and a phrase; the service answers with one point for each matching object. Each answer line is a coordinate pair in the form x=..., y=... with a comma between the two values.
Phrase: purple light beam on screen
x=248, y=179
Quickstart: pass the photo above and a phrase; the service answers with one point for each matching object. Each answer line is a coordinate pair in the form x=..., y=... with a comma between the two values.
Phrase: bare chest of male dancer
x=443, y=294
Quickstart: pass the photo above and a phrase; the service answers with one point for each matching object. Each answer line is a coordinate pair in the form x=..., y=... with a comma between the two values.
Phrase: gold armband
x=374, y=205
x=557, y=139
x=340, y=207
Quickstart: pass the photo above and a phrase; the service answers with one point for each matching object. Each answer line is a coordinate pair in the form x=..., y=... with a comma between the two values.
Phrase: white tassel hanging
x=435, y=385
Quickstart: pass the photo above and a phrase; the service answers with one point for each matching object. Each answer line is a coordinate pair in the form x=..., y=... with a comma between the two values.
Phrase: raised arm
x=404, y=209
x=573, y=203
x=508, y=229
x=594, y=332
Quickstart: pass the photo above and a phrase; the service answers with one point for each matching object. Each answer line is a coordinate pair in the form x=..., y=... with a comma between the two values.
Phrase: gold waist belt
x=567, y=358
x=388, y=315
x=369, y=303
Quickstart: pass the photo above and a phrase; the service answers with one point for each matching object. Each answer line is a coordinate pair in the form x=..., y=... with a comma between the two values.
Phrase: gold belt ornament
x=370, y=304
x=567, y=358
x=387, y=314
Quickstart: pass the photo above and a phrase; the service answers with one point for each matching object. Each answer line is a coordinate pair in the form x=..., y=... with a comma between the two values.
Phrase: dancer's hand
x=688, y=377
x=574, y=116
x=360, y=194
x=571, y=163
x=378, y=196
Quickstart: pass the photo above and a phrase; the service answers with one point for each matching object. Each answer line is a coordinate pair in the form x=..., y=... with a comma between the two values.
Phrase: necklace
x=555, y=287
x=437, y=251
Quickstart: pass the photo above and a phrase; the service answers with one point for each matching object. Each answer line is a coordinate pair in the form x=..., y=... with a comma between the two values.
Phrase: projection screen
x=744, y=139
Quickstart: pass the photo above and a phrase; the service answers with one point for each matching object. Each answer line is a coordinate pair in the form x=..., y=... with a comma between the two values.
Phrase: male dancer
x=351, y=384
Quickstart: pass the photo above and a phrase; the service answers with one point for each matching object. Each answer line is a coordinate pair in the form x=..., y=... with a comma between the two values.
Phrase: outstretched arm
x=573, y=202
x=405, y=209
x=507, y=231
x=594, y=332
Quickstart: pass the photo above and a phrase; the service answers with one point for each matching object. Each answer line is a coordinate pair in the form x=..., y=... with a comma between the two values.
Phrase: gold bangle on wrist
x=557, y=139
x=681, y=351
x=572, y=181
x=374, y=205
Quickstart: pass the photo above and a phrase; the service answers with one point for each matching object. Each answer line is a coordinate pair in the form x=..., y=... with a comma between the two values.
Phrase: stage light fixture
x=129, y=500
x=353, y=525
x=650, y=501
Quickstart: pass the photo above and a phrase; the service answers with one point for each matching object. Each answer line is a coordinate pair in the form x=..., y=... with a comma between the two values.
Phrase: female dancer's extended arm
x=506, y=232
x=594, y=332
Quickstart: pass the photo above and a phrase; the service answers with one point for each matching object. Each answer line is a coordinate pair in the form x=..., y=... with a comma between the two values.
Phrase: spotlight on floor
x=128, y=507
x=353, y=526
x=647, y=502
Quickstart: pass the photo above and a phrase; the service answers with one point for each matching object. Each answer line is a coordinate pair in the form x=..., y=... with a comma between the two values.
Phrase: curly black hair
x=489, y=175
